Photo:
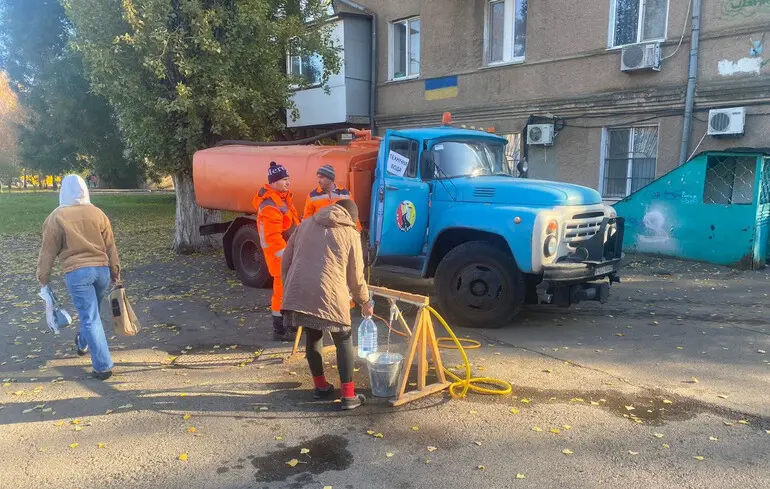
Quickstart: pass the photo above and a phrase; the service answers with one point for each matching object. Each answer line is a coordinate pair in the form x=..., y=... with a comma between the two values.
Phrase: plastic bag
x=56, y=317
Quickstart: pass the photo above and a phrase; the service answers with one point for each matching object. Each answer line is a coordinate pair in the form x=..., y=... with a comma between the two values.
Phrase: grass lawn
x=24, y=213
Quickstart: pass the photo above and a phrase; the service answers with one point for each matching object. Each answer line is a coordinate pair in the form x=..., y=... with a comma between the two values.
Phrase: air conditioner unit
x=540, y=134
x=640, y=57
x=727, y=122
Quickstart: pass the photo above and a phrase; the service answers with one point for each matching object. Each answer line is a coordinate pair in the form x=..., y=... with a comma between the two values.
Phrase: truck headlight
x=550, y=246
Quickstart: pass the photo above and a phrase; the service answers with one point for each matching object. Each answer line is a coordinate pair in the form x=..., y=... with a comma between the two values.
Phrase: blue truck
x=442, y=203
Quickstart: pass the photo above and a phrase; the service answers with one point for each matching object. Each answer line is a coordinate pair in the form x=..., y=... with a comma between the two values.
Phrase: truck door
x=402, y=205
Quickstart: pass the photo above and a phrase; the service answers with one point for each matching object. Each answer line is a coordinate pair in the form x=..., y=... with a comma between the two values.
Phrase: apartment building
x=590, y=92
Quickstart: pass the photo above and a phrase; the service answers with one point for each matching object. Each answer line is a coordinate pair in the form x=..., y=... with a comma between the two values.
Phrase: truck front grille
x=583, y=226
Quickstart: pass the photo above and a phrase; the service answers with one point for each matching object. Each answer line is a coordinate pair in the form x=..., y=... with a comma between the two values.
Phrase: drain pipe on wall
x=692, y=78
x=373, y=83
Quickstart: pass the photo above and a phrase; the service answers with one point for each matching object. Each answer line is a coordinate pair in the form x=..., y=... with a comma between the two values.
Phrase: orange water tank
x=228, y=177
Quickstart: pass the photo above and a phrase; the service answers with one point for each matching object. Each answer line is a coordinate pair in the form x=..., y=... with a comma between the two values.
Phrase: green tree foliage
x=69, y=127
x=11, y=117
x=184, y=74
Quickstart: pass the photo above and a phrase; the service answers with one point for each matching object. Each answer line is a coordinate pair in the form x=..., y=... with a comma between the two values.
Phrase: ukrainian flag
x=441, y=88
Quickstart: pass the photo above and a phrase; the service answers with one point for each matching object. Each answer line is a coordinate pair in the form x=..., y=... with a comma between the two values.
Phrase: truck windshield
x=470, y=159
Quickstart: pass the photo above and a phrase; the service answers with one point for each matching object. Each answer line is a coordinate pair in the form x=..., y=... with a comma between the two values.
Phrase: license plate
x=604, y=270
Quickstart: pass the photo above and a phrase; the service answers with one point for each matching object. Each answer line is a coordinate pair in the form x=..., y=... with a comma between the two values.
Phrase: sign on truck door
x=402, y=204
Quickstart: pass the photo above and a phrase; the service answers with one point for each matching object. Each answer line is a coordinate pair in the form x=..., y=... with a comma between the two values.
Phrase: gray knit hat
x=327, y=171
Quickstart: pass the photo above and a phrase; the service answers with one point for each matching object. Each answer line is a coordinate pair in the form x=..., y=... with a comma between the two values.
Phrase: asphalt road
x=667, y=385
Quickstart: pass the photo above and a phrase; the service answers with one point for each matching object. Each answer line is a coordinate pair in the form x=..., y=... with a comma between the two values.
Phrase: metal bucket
x=384, y=372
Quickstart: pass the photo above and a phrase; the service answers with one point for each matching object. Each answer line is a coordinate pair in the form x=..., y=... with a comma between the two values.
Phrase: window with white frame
x=405, y=49
x=630, y=158
x=306, y=67
x=634, y=21
x=506, y=31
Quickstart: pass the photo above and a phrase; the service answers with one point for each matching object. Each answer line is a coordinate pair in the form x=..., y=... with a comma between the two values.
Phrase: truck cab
x=445, y=205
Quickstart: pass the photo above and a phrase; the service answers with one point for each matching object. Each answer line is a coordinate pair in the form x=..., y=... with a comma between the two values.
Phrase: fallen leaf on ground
x=477, y=443
x=75, y=421
x=536, y=428
x=389, y=454
x=415, y=428
x=74, y=445
x=304, y=451
x=743, y=421
x=722, y=396
x=100, y=445
x=630, y=408
x=58, y=423
x=521, y=476
x=728, y=423
x=183, y=394
x=109, y=411
x=698, y=457
x=577, y=399
x=665, y=445
x=567, y=451
x=631, y=452
x=191, y=429
x=567, y=427
x=432, y=449
x=694, y=380
x=525, y=401
x=370, y=432
x=182, y=457
x=555, y=431
x=378, y=435
x=472, y=411
x=279, y=438
x=292, y=463
x=713, y=438
x=658, y=435
x=186, y=417
x=666, y=401
x=481, y=467
x=328, y=487
x=514, y=411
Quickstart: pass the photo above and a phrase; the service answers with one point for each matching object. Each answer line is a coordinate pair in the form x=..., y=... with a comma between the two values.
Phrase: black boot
x=279, y=332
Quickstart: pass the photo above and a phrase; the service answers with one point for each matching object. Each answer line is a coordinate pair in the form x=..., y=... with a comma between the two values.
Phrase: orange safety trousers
x=276, y=221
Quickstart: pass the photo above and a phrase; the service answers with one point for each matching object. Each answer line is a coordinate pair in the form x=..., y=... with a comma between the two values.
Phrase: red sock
x=320, y=382
x=347, y=389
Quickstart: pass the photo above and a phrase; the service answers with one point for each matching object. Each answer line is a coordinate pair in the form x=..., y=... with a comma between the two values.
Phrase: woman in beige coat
x=321, y=267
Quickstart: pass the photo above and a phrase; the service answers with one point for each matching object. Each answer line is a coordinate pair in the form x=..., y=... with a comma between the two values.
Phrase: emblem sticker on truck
x=406, y=214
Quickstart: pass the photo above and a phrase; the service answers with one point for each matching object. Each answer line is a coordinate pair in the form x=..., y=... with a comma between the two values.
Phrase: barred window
x=729, y=180
x=630, y=159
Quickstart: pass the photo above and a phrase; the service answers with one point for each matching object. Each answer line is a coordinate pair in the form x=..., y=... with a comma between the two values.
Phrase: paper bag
x=124, y=320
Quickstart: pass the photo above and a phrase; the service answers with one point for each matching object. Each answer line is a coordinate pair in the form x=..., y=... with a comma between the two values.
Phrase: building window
x=729, y=180
x=307, y=68
x=506, y=31
x=630, y=159
x=405, y=49
x=634, y=21
x=513, y=152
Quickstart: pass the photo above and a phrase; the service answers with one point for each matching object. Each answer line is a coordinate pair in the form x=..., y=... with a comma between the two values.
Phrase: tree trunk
x=189, y=216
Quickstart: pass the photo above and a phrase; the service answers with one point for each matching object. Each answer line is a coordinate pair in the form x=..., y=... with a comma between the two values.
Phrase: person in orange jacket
x=277, y=218
x=326, y=194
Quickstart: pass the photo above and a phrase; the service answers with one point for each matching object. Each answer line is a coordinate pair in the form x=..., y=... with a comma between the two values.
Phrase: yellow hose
x=468, y=383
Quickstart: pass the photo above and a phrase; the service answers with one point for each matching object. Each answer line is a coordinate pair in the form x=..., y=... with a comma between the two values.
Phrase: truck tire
x=248, y=259
x=479, y=286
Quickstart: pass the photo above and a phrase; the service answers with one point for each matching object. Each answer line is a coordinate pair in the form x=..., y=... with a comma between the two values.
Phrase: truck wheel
x=248, y=258
x=479, y=286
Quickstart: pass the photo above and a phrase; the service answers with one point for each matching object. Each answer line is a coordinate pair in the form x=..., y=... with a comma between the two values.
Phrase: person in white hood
x=80, y=235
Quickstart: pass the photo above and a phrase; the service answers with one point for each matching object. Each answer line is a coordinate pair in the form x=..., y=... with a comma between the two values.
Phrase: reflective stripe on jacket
x=277, y=218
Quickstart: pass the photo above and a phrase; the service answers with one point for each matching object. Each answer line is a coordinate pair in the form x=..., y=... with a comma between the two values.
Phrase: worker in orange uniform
x=326, y=194
x=277, y=218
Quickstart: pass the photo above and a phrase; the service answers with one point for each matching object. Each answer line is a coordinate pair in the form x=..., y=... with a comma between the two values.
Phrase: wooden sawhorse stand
x=423, y=338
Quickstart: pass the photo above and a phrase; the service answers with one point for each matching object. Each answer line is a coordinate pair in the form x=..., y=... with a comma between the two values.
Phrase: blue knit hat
x=276, y=172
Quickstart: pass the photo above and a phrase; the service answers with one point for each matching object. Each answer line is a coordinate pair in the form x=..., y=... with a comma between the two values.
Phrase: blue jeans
x=88, y=286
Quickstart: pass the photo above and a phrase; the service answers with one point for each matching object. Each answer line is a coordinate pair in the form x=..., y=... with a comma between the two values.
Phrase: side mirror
x=523, y=168
x=428, y=166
